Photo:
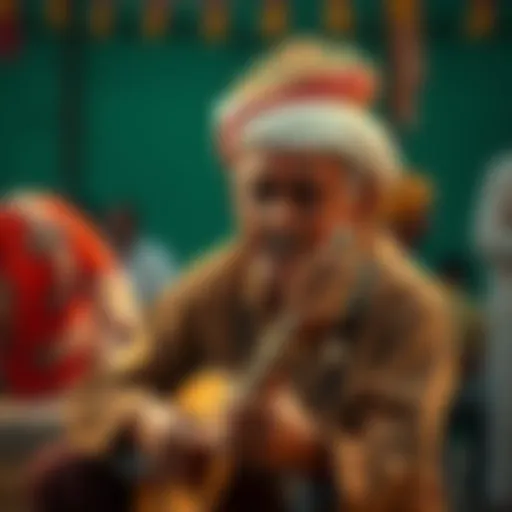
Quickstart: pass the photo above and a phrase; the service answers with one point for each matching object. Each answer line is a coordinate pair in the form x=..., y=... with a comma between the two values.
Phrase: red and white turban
x=316, y=110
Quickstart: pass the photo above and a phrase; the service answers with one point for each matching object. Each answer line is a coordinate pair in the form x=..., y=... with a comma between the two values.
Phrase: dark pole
x=72, y=81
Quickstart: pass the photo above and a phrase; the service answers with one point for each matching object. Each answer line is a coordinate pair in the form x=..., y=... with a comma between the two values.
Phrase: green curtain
x=147, y=136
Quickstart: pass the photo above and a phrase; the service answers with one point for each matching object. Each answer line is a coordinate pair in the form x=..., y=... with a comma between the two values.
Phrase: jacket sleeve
x=168, y=348
x=395, y=418
x=149, y=368
x=165, y=350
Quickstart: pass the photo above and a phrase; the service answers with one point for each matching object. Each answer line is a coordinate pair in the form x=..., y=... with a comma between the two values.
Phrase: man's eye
x=305, y=195
x=265, y=191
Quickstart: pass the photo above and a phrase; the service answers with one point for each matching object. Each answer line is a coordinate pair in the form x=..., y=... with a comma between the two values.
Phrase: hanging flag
x=275, y=17
x=155, y=17
x=58, y=13
x=406, y=55
x=215, y=19
x=339, y=16
x=10, y=36
x=101, y=19
x=481, y=18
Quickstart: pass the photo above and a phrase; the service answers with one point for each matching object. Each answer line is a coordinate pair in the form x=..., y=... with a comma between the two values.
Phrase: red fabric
x=38, y=321
x=91, y=251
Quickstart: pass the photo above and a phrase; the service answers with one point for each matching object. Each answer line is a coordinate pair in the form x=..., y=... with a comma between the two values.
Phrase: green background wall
x=146, y=135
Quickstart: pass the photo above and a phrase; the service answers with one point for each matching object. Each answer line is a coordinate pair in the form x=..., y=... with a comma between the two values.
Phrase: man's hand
x=245, y=429
x=275, y=431
x=172, y=442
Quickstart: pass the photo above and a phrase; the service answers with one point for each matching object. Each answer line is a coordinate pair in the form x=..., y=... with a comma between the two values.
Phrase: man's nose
x=283, y=215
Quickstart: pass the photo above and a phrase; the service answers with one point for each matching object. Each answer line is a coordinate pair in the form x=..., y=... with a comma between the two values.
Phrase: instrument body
x=205, y=398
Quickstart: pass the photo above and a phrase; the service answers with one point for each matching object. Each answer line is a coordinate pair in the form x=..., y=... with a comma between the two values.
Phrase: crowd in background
x=148, y=262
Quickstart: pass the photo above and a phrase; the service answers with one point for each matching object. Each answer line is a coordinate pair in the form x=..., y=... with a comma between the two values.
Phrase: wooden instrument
x=206, y=398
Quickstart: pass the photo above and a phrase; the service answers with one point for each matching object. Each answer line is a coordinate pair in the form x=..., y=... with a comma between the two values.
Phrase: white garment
x=494, y=239
x=151, y=268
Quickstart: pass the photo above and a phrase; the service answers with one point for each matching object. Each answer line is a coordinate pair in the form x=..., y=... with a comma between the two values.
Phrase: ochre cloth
x=386, y=416
x=411, y=198
x=40, y=306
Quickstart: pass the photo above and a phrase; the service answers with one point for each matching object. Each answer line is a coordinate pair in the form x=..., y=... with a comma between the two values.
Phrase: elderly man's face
x=289, y=203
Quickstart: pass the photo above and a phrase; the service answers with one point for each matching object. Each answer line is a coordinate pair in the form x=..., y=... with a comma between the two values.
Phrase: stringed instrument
x=207, y=396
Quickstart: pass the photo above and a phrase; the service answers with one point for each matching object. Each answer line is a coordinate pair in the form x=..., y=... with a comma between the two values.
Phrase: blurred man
x=365, y=388
x=494, y=239
x=149, y=264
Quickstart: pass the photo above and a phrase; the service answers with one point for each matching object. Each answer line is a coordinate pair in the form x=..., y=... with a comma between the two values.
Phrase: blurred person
x=365, y=389
x=410, y=209
x=454, y=274
x=466, y=464
x=494, y=240
x=63, y=295
x=149, y=264
x=66, y=310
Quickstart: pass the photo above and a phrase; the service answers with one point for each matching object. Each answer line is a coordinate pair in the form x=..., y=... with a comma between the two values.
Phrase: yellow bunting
x=481, y=18
x=58, y=13
x=215, y=20
x=339, y=16
x=101, y=17
x=275, y=17
x=155, y=18
x=406, y=57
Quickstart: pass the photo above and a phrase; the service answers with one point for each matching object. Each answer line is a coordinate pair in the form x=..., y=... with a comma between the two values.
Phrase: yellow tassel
x=215, y=21
x=481, y=18
x=156, y=18
x=275, y=18
x=8, y=10
x=339, y=16
x=403, y=12
x=57, y=13
x=101, y=17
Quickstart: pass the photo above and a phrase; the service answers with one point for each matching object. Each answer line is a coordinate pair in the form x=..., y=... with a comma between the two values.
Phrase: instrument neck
x=269, y=353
